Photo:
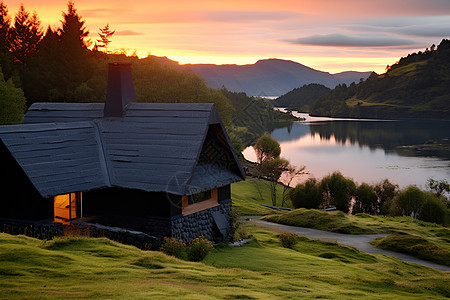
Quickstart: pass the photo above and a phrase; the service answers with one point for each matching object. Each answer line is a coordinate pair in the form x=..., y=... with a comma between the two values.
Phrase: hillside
x=269, y=77
x=85, y=268
x=415, y=87
x=300, y=98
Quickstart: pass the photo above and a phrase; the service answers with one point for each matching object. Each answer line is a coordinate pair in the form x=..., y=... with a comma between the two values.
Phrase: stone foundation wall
x=39, y=230
x=159, y=227
x=184, y=228
x=187, y=228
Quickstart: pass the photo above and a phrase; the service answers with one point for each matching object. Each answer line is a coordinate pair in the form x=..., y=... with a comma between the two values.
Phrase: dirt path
x=360, y=242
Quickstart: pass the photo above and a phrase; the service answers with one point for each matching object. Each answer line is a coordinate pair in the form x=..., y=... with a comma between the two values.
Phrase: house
x=164, y=169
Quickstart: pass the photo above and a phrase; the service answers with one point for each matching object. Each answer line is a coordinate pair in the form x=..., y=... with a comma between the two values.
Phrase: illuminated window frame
x=72, y=210
x=188, y=208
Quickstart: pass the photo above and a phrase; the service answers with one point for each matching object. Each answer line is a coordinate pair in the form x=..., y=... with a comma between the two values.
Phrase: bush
x=287, y=239
x=419, y=204
x=306, y=195
x=415, y=246
x=408, y=202
x=240, y=231
x=12, y=102
x=199, y=248
x=386, y=191
x=174, y=247
x=338, y=190
x=433, y=210
x=366, y=200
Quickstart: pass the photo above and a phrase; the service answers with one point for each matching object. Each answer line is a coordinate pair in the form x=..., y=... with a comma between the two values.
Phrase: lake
x=366, y=150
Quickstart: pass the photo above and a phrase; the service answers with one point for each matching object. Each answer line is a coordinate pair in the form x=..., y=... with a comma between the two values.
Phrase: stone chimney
x=120, y=90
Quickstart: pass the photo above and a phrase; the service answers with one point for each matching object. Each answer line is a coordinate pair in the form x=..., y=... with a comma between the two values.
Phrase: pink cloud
x=128, y=33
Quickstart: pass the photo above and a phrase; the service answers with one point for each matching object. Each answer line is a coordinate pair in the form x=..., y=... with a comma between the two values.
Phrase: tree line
x=50, y=65
x=384, y=198
x=56, y=65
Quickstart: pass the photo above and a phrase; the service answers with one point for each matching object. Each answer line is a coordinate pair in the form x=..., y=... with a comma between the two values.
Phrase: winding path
x=360, y=242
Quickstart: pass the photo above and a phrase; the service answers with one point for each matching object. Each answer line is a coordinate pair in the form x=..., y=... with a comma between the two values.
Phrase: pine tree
x=6, y=61
x=73, y=33
x=105, y=37
x=5, y=26
x=73, y=54
x=42, y=81
x=25, y=35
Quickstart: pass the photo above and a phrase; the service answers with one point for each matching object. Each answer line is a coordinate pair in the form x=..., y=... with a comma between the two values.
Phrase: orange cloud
x=324, y=34
x=127, y=33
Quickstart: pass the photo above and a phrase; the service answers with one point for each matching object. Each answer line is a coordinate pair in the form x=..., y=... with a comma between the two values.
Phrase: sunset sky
x=326, y=35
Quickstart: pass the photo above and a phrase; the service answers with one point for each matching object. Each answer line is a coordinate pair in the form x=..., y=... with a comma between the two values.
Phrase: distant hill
x=300, y=98
x=269, y=77
x=417, y=86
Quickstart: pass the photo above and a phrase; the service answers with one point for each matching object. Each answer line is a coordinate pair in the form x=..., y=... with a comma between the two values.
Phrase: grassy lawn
x=424, y=240
x=317, y=269
x=335, y=221
x=414, y=245
x=248, y=194
x=84, y=268
x=98, y=268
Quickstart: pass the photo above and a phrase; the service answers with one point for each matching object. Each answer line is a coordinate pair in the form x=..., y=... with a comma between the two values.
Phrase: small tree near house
x=290, y=173
x=266, y=148
x=272, y=166
x=272, y=169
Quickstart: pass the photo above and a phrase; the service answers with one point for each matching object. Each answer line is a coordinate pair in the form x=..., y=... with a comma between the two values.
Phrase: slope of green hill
x=417, y=86
x=300, y=98
x=87, y=268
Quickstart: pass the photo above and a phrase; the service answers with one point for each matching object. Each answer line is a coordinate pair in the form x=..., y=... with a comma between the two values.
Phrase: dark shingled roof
x=58, y=158
x=67, y=147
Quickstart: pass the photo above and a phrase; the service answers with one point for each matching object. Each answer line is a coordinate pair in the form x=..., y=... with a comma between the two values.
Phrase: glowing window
x=199, y=201
x=67, y=207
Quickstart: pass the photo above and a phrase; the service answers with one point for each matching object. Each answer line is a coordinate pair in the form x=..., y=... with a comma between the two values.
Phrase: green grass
x=335, y=221
x=248, y=194
x=84, y=268
x=407, y=70
x=421, y=239
x=414, y=245
x=353, y=101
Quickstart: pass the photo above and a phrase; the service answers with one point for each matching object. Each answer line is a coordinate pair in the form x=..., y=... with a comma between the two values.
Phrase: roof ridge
x=197, y=156
x=101, y=149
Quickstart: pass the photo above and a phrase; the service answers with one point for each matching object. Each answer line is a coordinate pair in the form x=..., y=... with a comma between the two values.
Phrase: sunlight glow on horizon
x=325, y=35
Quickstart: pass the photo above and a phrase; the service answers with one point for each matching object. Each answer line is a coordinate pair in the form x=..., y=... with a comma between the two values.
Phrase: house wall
x=19, y=198
x=156, y=214
x=187, y=228
x=111, y=201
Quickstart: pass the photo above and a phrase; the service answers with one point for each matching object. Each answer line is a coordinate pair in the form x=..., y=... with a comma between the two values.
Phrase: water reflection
x=367, y=151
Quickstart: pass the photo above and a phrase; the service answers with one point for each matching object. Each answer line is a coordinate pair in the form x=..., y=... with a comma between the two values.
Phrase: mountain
x=269, y=77
x=417, y=86
x=300, y=98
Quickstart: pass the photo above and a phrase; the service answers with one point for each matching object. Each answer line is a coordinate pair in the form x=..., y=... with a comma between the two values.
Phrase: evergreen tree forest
x=59, y=65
